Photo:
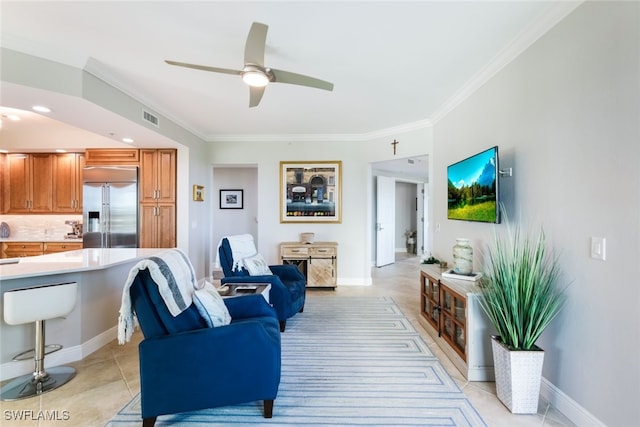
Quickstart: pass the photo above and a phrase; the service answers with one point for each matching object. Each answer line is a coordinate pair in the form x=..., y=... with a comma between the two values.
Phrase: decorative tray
x=471, y=277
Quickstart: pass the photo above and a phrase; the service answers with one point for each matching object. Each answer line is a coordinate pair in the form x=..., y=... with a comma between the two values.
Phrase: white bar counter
x=100, y=274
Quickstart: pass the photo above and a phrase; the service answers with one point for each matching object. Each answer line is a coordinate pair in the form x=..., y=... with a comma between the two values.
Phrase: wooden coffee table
x=233, y=290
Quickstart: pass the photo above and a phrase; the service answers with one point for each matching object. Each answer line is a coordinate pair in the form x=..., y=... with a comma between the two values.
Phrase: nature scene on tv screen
x=472, y=188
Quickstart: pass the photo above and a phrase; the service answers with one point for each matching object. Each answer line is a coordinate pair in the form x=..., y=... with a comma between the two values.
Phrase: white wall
x=565, y=115
x=226, y=222
x=405, y=213
x=354, y=233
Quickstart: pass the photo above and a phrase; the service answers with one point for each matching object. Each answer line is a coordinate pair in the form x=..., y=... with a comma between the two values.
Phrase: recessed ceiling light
x=12, y=117
x=60, y=150
x=41, y=109
x=2, y=150
x=127, y=140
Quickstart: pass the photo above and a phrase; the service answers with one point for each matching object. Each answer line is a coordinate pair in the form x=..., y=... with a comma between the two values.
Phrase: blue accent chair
x=288, y=284
x=186, y=366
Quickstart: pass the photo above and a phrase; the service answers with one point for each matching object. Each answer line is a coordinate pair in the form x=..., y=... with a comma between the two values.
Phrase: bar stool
x=38, y=304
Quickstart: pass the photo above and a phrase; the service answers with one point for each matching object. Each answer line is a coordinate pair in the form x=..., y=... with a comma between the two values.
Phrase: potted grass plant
x=520, y=297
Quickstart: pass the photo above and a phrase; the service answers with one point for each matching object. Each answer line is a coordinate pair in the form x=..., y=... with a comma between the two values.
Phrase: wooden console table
x=317, y=261
x=451, y=314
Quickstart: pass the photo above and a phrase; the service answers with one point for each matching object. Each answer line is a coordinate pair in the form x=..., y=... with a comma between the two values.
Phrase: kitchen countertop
x=71, y=262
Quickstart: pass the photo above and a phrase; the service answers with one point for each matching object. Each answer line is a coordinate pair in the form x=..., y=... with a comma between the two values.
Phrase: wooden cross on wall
x=394, y=143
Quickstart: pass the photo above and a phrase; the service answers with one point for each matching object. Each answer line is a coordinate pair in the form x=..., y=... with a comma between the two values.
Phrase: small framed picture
x=231, y=199
x=198, y=193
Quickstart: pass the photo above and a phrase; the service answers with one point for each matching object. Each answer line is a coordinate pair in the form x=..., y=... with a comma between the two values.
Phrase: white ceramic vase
x=462, y=257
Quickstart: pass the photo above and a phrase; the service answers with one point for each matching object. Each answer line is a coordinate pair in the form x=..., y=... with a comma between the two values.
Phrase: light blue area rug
x=345, y=361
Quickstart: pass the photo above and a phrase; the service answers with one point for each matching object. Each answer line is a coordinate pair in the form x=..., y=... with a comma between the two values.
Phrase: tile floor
x=108, y=378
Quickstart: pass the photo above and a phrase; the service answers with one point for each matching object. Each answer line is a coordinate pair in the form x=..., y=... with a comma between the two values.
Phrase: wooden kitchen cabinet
x=29, y=183
x=67, y=182
x=157, y=225
x=158, y=176
x=3, y=179
x=157, y=191
x=112, y=156
x=21, y=249
x=24, y=249
x=55, y=247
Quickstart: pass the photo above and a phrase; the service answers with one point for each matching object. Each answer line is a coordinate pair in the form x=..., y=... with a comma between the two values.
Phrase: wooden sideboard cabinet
x=451, y=314
x=317, y=261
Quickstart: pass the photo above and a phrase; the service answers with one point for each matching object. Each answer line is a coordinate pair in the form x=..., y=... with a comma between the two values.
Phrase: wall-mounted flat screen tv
x=473, y=188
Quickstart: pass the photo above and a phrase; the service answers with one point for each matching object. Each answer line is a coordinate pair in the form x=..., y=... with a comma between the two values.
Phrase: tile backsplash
x=39, y=227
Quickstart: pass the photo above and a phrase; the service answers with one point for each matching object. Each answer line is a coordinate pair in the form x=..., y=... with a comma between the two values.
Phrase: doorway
x=403, y=200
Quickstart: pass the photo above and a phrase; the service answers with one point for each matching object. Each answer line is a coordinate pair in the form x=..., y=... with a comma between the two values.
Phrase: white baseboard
x=66, y=355
x=357, y=281
x=569, y=407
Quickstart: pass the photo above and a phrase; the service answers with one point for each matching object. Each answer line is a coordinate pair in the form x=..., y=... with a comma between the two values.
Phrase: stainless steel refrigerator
x=110, y=205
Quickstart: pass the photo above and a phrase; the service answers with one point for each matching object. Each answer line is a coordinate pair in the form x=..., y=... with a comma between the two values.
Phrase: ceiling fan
x=254, y=73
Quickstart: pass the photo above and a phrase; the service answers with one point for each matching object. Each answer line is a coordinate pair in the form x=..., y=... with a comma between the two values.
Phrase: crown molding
x=328, y=137
x=524, y=40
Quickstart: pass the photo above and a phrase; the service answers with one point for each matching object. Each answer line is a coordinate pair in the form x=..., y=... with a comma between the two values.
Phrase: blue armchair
x=288, y=284
x=186, y=366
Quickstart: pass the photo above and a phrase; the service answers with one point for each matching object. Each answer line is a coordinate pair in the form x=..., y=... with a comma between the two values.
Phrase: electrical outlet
x=599, y=248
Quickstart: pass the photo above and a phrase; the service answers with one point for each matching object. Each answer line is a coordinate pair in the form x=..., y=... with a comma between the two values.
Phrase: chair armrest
x=250, y=279
x=287, y=272
x=249, y=306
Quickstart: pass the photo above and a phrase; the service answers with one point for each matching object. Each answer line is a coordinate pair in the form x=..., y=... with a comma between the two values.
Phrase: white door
x=385, y=220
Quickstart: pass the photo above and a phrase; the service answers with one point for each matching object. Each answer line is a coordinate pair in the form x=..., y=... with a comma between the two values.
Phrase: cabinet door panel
x=148, y=225
x=18, y=183
x=64, y=183
x=320, y=272
x=166, y=176
x=166, y=226
x=148, y=173
x=42, y=183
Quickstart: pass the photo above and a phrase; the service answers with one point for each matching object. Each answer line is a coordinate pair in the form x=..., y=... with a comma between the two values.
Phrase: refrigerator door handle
x=103, y=217
x=106, y=211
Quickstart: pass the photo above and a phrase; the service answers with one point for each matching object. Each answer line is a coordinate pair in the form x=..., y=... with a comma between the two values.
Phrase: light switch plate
x=598, y=248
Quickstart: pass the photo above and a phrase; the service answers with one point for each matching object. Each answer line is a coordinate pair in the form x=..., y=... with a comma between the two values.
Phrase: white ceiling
x=392, y=63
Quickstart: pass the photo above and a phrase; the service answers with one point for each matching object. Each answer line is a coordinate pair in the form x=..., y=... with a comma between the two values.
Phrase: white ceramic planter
x=518, y=376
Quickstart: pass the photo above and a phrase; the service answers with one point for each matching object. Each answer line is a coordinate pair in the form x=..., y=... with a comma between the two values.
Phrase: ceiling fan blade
x=256, y=41
x=204, y=67
x=280, y=76
x=255, y=95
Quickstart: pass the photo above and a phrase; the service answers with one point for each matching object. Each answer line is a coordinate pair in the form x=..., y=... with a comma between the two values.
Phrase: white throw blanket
x=173, y=274
x=242, y=247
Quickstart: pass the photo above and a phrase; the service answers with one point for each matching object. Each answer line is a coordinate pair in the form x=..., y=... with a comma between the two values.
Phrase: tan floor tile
x=109, y=378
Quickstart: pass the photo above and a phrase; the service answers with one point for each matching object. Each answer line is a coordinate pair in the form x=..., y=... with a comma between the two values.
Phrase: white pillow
x=211, y=306
x=257, y=266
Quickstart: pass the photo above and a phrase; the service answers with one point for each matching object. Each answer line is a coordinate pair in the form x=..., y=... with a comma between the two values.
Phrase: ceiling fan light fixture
x=255, y=77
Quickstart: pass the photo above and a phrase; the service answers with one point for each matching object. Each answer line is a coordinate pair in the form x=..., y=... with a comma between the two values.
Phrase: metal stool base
x=28, y=386
x=31, y=354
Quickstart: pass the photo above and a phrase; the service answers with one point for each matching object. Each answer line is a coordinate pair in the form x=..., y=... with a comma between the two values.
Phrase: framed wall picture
x=311, y=191
x=231, y=199
x=198, y=193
